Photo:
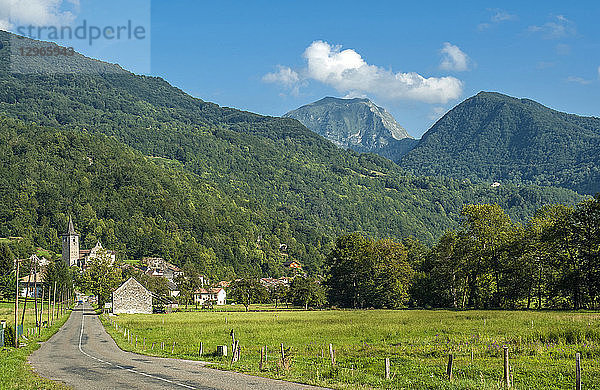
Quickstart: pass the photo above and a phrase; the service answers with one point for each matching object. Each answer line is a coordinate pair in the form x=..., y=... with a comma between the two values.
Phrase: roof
x=40, y=278
x=71, y=229
x=131, y=280
x=212, y=290
x=292, y=264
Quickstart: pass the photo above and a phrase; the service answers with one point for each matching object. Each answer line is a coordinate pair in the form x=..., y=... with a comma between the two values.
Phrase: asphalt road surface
x=83, y=356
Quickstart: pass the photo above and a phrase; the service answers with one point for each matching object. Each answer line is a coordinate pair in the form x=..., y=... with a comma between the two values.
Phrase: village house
x=157, y=266
x=132, y=298
x=270, y=283
x=212, y=296
x=31, y=284
x=292, y=264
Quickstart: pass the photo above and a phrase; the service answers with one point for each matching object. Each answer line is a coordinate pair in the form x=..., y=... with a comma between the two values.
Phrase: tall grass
x=542, y=345
x=15, y=372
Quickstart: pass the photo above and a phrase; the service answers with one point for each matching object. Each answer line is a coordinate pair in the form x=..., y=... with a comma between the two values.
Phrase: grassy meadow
x=15, y=371
x=542, y=345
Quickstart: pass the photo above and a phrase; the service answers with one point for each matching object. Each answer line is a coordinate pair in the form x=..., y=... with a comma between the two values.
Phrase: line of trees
x=553, y=261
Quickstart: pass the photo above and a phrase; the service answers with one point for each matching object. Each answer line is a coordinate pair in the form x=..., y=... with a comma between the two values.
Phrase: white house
x=216, y=296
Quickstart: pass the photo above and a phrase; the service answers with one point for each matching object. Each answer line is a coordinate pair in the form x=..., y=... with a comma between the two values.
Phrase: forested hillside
x=494, y=137
x=229, y=181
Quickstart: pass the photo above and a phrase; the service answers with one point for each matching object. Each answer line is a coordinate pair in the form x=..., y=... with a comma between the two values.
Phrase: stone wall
x=132, y=298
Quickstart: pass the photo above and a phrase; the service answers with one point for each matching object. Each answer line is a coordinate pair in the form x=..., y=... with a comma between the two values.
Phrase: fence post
x=200, y=349
x=506, y=368
x=173, y=348
x=387, y=368
x=331, y=354
x=577, y=371
x=449, y=368
x=262, y=357
x=282, y=354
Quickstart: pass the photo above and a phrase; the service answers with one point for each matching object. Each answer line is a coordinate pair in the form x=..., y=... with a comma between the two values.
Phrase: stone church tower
x=70, y=246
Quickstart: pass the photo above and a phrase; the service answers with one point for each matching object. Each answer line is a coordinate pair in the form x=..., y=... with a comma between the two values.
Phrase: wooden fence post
x=506, y=368
x=331, y=354
x=577, y=371
x=387, y=368
x=449, y=368
x=262, y=357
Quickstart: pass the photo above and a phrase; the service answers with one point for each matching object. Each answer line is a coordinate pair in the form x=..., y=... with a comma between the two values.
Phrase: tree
x=368, y=273
x=247, y=291
x=392, y=275
x=343, y=269
x=101, y=277
x=305, y=291
x=7, y=273
x=278, y=293
x=486, y=230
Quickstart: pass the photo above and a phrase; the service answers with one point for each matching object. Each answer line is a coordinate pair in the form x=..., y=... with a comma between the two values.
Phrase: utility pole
x=26, y=295
x=48, y=310
x=17, y=262
x=35, y=291
x=54, y=304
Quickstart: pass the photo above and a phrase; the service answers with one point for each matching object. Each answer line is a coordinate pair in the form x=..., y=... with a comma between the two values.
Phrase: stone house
x=132, y=298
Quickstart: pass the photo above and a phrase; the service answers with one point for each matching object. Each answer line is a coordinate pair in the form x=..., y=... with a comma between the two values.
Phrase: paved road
x=82, y=355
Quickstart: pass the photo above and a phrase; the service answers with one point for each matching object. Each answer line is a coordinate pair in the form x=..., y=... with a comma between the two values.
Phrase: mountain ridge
x=495, y=137
x=299, y=188
x=355, y=123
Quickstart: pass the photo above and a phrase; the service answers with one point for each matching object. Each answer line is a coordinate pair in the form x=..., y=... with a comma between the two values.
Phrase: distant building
x=157, y=266
x=72, y=255
x=31, y=285
x=27, y=284
x=85, y=256
x=132, y=298
x=215, y=296
x=70, y=246
x=293, y=264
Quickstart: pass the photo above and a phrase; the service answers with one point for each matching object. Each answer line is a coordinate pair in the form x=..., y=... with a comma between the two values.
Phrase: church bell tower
x=70, y=246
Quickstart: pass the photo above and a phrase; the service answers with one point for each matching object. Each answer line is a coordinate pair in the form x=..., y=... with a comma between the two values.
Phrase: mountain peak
x=355, y=123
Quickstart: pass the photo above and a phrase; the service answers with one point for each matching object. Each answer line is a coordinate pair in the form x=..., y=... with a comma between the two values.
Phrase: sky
x=416, y=59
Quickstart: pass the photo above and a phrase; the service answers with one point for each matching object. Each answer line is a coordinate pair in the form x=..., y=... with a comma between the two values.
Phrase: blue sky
x=416, y=59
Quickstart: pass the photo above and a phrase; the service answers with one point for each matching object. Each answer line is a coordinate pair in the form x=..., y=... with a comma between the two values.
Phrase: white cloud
x=284, y=75
x=498, y=16
x=502, y=16
x=35, y=12
x=349, y=73
x=578, y=80
x=453, y=58
x=558, y=27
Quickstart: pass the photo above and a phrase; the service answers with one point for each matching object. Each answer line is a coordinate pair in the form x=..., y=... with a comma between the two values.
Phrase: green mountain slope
x=285, y=183
x=136, y=205
x=494, y=137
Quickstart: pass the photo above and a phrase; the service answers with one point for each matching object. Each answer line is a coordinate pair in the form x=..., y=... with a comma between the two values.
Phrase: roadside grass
x=15, y=371
x=542, y=345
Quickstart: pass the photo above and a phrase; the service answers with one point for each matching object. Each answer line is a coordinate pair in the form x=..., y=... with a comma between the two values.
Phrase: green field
x=542, y=345
x=15, y=372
